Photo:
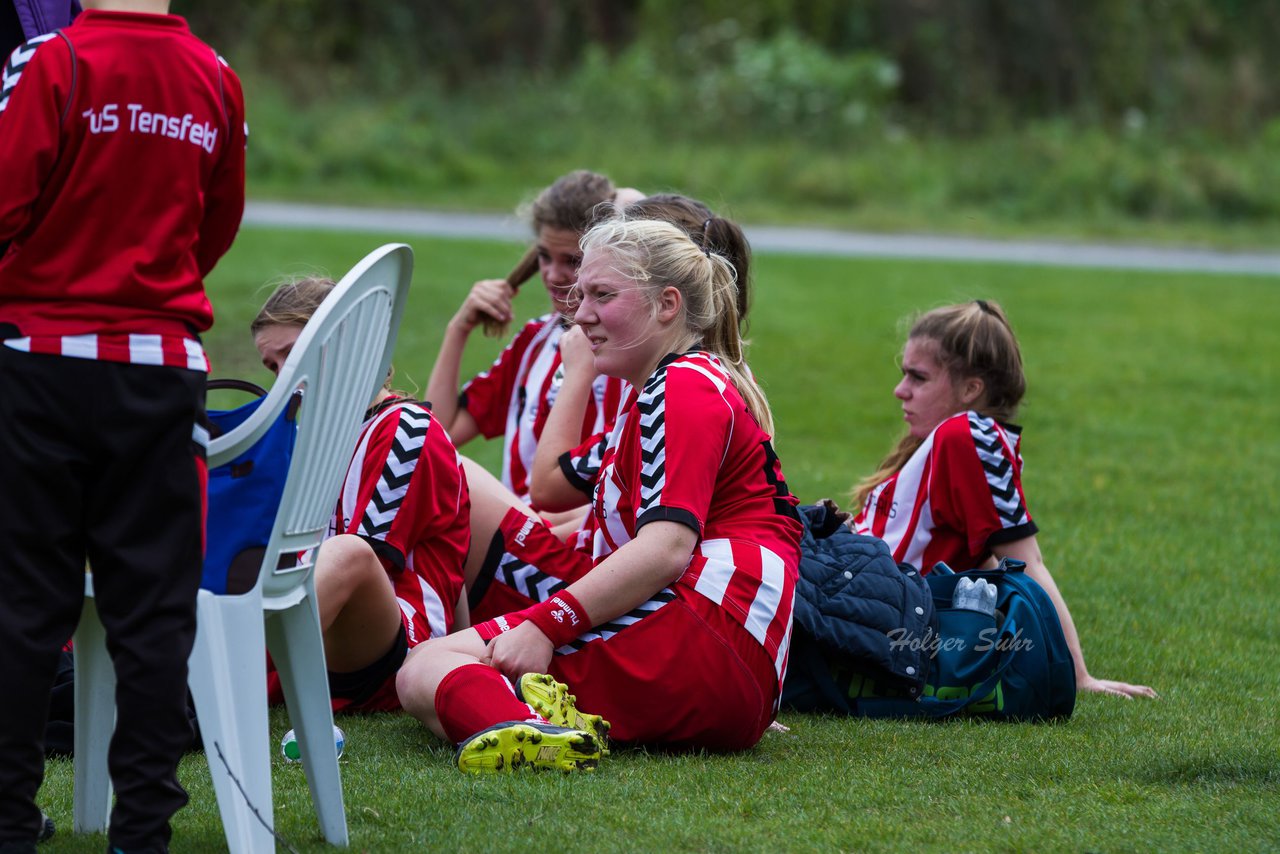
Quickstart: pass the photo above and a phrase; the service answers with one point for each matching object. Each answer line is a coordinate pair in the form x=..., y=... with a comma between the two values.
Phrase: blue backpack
x=244, y=495
x=1012, y=666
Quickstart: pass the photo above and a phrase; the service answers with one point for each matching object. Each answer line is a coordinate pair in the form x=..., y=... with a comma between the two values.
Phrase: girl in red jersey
x=694, y=553
x=513, y=397
x=951, y=490
x=389, y=575
x=513, y=574
x=564, y=465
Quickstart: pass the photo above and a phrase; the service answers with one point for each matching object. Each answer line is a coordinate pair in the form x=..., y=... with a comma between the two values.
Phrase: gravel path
x=807, y=241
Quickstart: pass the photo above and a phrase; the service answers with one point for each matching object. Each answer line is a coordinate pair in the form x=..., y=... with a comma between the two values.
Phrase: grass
x=1152, y=467
x=486, y=150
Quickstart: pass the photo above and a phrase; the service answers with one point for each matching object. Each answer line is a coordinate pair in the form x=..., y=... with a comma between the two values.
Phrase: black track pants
x=99, y=462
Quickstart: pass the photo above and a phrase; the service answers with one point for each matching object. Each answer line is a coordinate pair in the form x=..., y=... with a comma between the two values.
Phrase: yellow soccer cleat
x=552, y=700
x=514, y=745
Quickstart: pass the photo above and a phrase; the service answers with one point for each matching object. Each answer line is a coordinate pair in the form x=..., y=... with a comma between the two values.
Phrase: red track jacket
x=122, y=144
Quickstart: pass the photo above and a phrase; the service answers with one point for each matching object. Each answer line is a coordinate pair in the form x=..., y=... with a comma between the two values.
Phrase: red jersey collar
x=92, y=17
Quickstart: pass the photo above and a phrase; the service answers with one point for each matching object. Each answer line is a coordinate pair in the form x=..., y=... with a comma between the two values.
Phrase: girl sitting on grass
x=677, y=626
x=390, y=574
x=562, y=475
x=951, y=490
x=499, y=578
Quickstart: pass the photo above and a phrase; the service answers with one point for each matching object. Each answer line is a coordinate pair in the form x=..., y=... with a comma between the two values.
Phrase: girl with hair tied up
x=691, y=564
x=951, y=490
x=565, y=466
x=514, y=396
x=565, y=463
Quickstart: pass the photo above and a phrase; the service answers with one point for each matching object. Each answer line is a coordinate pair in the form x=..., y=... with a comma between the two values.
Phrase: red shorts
x=684, y=676
x=525, y=565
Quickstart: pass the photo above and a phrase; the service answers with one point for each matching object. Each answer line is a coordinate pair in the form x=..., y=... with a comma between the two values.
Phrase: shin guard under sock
x=475, y=697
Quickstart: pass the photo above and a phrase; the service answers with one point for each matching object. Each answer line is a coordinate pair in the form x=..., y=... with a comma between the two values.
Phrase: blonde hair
x=974, y=340
x=708, y=231
x=656, y=255
x=292, y=303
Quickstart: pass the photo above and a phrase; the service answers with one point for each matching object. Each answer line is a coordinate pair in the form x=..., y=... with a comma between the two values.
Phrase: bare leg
x=490, y=502
x=427, y=665
x=358, y=611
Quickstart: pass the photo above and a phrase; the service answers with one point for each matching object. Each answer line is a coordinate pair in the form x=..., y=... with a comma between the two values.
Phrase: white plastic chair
x=339, y=361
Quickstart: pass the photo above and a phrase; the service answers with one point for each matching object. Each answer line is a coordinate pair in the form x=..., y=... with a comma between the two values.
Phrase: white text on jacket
x=142, y=120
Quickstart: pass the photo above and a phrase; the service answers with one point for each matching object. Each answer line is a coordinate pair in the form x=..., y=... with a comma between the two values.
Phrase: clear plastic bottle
x=293, y=753
x=979, y=595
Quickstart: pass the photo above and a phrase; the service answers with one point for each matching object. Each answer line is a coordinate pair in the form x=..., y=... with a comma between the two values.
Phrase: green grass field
x=1152, y=468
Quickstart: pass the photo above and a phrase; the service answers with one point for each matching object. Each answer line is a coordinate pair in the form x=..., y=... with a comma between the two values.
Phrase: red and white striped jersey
x=958, y=495
x=123, y=144
x=686, y=450
x=514, y=397
x=581, y=465
x=170, y=350
x=405, y=492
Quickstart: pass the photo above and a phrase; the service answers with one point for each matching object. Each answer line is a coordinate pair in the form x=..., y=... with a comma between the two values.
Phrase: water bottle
x=989, y=594
x=293, y=753
x=973, y=595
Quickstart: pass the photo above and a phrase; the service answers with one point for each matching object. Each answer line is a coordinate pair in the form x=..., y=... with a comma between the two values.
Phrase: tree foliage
x=959, y=65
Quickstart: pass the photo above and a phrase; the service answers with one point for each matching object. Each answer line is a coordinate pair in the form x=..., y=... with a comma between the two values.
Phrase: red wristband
x=561, y=618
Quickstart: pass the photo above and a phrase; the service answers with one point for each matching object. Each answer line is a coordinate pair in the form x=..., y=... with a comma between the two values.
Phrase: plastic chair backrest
x=338, y=364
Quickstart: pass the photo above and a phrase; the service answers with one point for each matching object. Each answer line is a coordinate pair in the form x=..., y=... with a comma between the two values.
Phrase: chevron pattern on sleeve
x=17, y=62
x=999, y=468
x=393, y=485
x=588, y=465
x=651, y=407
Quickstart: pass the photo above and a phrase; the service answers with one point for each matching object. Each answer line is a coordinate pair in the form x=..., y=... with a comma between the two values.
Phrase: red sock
x=475, y=697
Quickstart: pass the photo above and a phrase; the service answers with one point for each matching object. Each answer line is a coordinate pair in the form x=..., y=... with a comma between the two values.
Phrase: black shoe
x=14, y=847
x=111, y=849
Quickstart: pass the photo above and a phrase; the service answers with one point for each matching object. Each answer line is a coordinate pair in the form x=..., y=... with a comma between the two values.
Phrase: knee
x=346, y=548
x=414, y=686
x=426, y=667
x=349, y=560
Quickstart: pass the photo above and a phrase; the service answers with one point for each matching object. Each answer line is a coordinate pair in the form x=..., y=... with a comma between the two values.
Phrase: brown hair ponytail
x=974, y=339
x=292, y=303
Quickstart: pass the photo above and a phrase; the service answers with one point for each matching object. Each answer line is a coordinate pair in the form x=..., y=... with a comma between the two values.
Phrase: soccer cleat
x=552, y=700
x=47, y=828
x=514, y=745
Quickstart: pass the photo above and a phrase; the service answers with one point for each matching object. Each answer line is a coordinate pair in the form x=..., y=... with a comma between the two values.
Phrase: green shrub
x=696, y=129
x=717, y=82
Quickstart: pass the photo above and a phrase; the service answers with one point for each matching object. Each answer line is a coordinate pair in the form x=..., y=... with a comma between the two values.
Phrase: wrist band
x=561, y=618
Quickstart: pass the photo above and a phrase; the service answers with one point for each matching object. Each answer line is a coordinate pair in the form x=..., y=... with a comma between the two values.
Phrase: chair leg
x=95, y=720
x=229, y=683
x=297, y=649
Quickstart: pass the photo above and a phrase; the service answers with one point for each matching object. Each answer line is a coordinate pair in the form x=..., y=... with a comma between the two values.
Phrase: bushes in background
x=1088, y=117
